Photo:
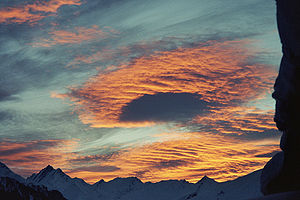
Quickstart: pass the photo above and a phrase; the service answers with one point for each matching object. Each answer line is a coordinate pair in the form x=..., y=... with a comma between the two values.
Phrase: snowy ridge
x=132, y=188
x=56, y=179
x=245, y=187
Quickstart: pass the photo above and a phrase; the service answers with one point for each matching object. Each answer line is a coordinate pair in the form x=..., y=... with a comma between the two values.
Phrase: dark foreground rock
x=281, y=196
x=11, y=189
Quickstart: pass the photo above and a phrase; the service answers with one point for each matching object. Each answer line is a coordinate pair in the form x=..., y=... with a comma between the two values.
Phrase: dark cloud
x=203, y=169
x=27, y=147
x=24, y=159
x=236, y=167
x=5, y=115
x=164, y=107
x=141, y=173
x=169, y=164
x=6, y=95
x=94, y=158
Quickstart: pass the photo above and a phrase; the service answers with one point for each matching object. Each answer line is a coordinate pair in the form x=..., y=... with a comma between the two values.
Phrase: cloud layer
x=221, y=74
x=132, y=70
x=187, y=156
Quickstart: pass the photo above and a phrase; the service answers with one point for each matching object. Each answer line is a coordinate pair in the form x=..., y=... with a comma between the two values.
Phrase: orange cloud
x=238, y=120
x=190, y=156
x=28, y=157
x=33, y=12
x=218, y=71
x=79, y=35
x=119, y=54
x=103, y=56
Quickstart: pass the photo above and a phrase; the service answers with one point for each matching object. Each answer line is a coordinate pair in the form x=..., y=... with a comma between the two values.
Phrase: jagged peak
x=48, y=168
x=206, y=179
x=98, y=183
x=46, y=172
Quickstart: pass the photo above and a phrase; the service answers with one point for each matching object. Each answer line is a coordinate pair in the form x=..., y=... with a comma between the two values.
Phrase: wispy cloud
x=77, y=36
x=153, y=71
x=222, y=74
x=28, y=157
x=238, y=120
x=33, y=12
x=188, y=156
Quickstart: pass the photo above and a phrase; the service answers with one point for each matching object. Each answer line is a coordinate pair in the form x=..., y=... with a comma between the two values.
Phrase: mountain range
x=49, y=181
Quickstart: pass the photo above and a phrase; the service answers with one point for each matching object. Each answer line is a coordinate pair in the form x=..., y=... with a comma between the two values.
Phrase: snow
x=6, y=172
x=71, y=188
x=133, y=189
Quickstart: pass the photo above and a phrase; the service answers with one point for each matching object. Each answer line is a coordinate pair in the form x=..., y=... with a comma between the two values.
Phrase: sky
x=160, y=89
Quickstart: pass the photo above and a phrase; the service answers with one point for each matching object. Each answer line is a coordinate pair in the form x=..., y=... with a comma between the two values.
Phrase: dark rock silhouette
x=11, y=189
x=282, y=172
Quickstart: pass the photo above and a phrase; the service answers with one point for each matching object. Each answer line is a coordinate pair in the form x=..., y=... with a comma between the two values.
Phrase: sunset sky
x=157, y=89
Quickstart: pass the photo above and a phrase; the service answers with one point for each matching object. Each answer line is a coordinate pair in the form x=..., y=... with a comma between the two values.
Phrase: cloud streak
x=238, y=120
x=187, y=156
x=77, y=36
x=31, y=156
x=33, y=12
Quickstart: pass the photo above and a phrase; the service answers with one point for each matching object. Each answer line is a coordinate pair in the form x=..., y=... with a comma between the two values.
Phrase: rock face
x=282, y=175
x=271, y=170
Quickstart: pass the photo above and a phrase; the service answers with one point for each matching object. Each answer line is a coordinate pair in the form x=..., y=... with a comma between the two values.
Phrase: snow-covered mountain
x=132, y=188
x=13, y=186
x=245, y=187
x=6, y=172
x=71, y=188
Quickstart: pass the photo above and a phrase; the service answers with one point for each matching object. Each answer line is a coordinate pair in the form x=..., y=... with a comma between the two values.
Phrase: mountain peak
x=206, y=179
x=48, y=168
x=6, y=172
x=46, y=173
x=99, y=182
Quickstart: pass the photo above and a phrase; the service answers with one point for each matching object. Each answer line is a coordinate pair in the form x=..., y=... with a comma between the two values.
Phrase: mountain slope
x=245, y=187
x=71, y=188
x=6, y=172
x=12, y=189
